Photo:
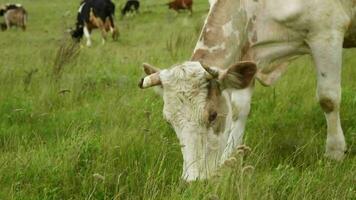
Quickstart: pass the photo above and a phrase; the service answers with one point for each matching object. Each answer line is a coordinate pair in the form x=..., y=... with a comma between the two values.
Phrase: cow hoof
x=337, y=155
x=335, y=148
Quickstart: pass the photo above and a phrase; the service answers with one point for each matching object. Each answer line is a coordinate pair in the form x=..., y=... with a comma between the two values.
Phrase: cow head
x=3, y=26
x=76, y=33
x=3, y=10
x=198, y=107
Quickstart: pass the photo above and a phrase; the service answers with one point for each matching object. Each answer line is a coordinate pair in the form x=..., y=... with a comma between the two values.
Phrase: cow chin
x=202, y=151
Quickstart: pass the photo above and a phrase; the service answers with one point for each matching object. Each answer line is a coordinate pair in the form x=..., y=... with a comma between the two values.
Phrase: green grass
x=88, y=131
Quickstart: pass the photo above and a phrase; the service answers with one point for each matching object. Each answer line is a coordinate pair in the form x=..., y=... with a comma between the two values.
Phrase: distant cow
x=94, y=14
x=130, y=6
x=14, y=15
x=181, y=5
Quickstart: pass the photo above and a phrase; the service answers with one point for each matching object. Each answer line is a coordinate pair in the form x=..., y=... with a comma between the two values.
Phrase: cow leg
x=241, y=103
x=23, y=25
x=102, y=27
x=327, y=54
x=7, y=22
x=111, y=28
x=103, y=34
x=114, y=33
x=87, y=35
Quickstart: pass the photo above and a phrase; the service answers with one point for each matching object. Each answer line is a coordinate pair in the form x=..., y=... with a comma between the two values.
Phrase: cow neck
x=224, y=38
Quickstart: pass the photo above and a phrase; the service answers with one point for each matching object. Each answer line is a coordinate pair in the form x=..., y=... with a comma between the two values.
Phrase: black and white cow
x=130, y=6
x=94, y=14
x=14, y=15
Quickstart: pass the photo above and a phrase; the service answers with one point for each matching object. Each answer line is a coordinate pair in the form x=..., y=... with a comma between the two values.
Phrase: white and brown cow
x=14, y=15
x=207, y=100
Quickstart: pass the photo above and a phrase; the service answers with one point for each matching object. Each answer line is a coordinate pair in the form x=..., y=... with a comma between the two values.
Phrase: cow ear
x=239, y=76
x=149, y=69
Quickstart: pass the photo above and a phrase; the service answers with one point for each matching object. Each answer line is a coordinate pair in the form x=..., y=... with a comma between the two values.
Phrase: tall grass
x=92, y=134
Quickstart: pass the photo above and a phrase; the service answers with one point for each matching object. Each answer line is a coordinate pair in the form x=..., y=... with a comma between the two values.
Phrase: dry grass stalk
x=66, y=53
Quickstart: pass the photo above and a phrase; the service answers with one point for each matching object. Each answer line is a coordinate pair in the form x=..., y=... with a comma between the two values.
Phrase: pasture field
x=76, y=126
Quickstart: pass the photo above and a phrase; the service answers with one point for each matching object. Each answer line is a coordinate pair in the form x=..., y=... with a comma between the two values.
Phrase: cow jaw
x=202, y=150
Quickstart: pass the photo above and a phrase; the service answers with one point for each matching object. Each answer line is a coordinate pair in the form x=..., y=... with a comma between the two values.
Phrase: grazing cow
x=130, y=6
x=14, y=15
x=181, y=5
x=207, y=100
x=94, y=14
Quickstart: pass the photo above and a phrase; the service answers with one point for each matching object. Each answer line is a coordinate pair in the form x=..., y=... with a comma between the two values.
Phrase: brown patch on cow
x=327, y=105
x=245, y=51
x=103, y=26
x=95, y=21
x=199, y=55
x=213, y=35
x=216, y=108
x=108, y=26
x=205, y=58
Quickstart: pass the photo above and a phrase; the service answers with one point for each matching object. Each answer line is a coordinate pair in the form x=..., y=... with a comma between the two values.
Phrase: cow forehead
x=185, y=81
x=188, y=72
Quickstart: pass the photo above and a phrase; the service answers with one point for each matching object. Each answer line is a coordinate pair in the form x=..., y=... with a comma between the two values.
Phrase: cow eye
x=212, y=116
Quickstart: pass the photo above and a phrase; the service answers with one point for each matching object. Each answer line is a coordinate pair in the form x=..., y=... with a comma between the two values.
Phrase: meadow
x=75, y=125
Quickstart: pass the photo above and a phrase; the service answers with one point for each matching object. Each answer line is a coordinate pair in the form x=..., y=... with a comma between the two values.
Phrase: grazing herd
x=92, y=14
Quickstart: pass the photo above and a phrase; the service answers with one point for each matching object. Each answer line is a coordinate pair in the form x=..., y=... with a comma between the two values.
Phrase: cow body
x=14, y=15
x=181, y=5
x=207, y=100
x=94, y=14
x=130, y=6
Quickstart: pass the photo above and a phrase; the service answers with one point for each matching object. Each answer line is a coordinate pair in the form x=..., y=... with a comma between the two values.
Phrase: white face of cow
x=199, y=110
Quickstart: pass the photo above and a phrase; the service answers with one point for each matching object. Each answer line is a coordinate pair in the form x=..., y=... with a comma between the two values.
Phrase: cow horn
x=213, y=72
x=150, y=81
